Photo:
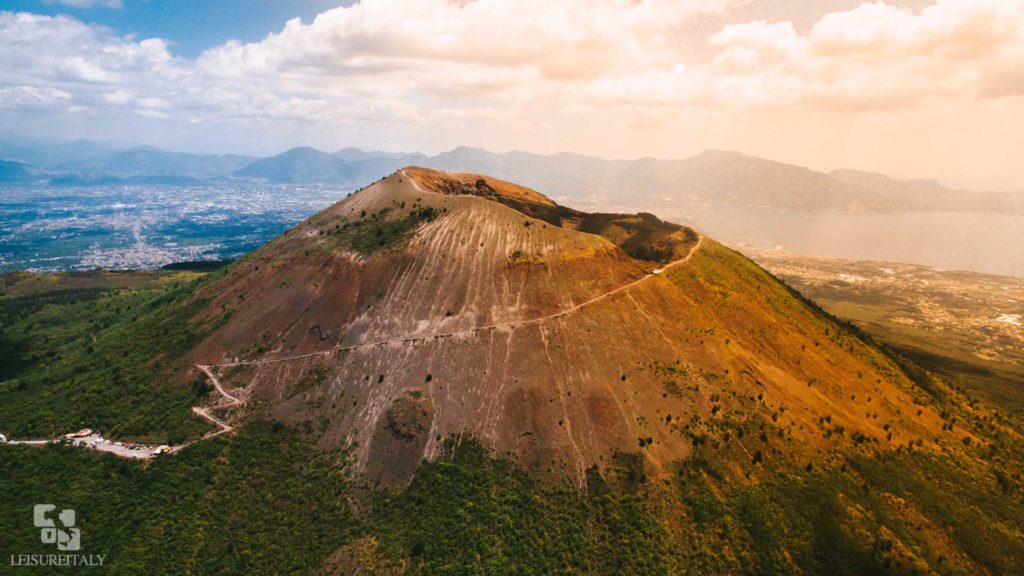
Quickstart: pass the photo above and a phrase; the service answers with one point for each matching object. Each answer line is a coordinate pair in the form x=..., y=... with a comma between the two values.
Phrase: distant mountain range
x=14, y=171
x=712, y=177
x=721, y=177
x=350, y=167
x=89, y=160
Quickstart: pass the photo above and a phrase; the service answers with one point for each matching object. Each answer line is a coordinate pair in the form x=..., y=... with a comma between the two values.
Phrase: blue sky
x=190, y=26
x=910, y=88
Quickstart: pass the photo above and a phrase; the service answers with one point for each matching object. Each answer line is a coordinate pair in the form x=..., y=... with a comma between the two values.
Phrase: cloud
x=878, y=55
x=566, y=39
x=86, y=70
x=437, y=65
x=31, y=98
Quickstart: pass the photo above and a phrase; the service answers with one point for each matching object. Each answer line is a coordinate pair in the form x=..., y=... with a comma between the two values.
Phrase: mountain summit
x=434, y=306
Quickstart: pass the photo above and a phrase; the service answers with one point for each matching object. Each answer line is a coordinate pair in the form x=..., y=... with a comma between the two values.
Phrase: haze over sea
x=973, y=241
x=127, y=227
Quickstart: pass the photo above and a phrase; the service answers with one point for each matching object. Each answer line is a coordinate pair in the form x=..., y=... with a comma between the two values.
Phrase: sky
x=914, y=89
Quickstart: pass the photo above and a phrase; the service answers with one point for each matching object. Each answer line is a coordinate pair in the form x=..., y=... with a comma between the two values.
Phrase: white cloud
x=878, y=54
x=31, y=98
x=447, y=55
x=505, y=68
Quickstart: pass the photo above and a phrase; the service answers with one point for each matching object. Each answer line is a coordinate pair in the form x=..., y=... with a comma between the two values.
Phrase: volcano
x=433, y=307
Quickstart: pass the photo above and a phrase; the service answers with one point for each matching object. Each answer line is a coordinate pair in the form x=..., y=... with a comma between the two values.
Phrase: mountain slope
x=83, y=158
x=147, y=161
x=305, y=164
x=929, y=194
x=49, y=154
x=599, y=394
x=14, y=171
x=421, y=308
x=297, y=164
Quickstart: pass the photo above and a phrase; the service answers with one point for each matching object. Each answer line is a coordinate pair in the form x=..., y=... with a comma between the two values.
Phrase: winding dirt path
x=463, y=332
x=141, y=451
x=232, y=399
x=415, y=184
x=205, y=414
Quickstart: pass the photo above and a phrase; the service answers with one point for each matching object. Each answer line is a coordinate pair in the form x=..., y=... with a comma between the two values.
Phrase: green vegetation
x=1000, y=384
x=265, y=501
x=643, y=236
x=923, y=315
x=468, y=513
x=261, y=501
x=733, y=275
x=380, y=232
x=100, y=358
x=890, y=514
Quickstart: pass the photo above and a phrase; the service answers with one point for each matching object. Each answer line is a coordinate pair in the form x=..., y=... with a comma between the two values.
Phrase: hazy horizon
x=127, y=145
x=913, y=90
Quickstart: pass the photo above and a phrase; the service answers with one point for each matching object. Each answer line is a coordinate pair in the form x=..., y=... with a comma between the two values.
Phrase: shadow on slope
x=643, y=236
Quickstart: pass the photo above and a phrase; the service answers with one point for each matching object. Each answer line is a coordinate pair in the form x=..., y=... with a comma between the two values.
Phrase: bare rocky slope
x=431, y=305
